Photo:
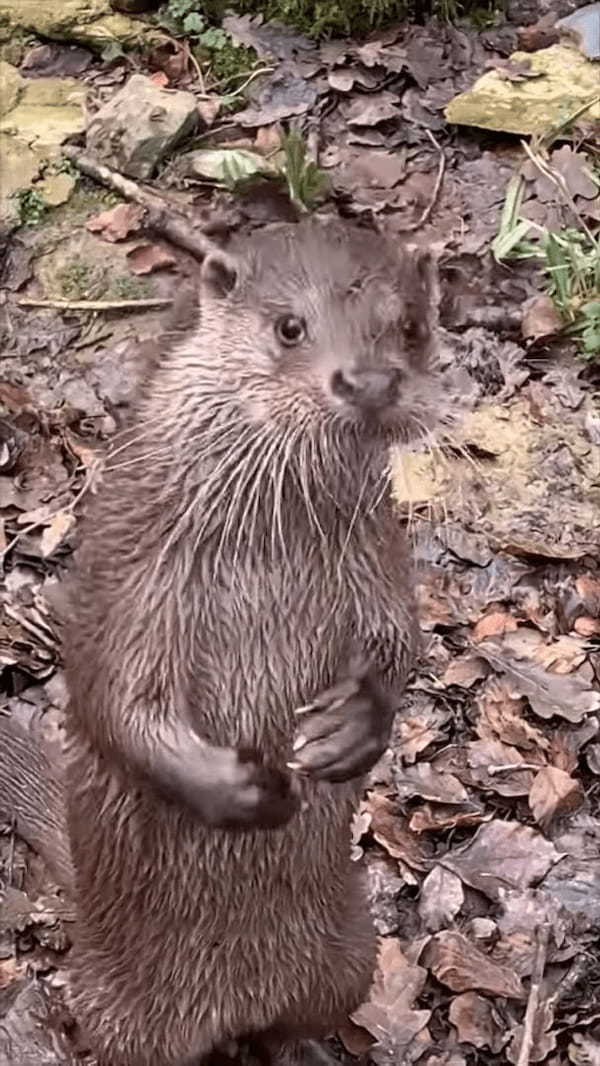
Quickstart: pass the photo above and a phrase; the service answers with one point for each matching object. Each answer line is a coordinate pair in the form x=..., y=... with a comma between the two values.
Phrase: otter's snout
x=372, y=389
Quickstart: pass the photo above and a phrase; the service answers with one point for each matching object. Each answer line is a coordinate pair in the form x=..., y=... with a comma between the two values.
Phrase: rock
x=141, y=125
x=89, y=22
x=48, y=110
x=568, y=81
x=20, y=166
x=56, y=188
x=12, y=83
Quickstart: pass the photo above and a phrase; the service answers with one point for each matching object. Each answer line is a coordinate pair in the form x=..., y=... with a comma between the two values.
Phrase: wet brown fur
x=240, y=545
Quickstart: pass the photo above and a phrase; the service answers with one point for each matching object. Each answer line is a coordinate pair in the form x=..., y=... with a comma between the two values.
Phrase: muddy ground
x=481, y=830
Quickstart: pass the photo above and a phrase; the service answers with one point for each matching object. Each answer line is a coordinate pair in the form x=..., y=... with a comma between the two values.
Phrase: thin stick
x=178, y=228
x=97, y=305
x=424, y=216
x=539, y=963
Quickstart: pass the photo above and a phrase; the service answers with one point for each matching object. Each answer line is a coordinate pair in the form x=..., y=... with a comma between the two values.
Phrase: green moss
x=128, y=287
x=76, y=280
x=32, y=207
x=228, y=62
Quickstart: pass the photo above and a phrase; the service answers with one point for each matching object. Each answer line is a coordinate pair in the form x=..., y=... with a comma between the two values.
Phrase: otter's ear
x=220, y=273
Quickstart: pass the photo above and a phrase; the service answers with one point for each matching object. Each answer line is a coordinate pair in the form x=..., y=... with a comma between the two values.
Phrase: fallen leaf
x=553, y=792
x=465, y=671
x=56, y=531
x=117, y=223
x=496, y=767
x=501, y=856
x=390, y=829
x=441, y=898
x=461, y=966
x=474, y=1019
x=355, y=1039
x=541, y=319
x=208, y=110
x=413, y=735
x=587, y=627
x=515, y=69
x=543, y=1040
x=145, y=258
x=390, y=1015
x=159, y=78
x=373, y=108
x=422, y=780
x=502, y=716
x=584, y=1050
x=494, y=624
x=435, y=818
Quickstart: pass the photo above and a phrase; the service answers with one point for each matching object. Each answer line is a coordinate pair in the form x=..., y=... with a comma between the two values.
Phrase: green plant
x=32, y=207
x=128, y=287
x=306, y=182
x=182, y=19
x=569, y=260
x=76, y=280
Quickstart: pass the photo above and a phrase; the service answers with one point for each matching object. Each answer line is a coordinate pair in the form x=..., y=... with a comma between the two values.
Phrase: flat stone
x=48, y=111
x=140, y=125
x=89, y=22
x=21, y=164
x=56, y=189
x=535, y=105
x=11, y=84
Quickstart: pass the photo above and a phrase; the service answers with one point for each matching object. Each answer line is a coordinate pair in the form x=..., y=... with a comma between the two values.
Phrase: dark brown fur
x=239, y=551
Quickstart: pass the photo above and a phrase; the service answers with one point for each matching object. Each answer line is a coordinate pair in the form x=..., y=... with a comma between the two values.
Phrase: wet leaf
x=501, y=856
x=461, y=966
x=145, y=258
x=390, y=1015
x=553, y=792
x=475, y=1021
x=117, y=223
x=441, y=898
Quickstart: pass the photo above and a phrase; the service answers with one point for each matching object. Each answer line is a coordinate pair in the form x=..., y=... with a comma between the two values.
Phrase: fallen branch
x=537, y=975
x=161, y=217
x=98, y=305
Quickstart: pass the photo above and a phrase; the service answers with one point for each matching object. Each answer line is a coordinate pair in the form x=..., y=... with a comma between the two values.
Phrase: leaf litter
x=481, y=829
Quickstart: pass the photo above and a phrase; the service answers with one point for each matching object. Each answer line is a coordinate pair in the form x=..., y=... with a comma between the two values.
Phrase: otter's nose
x=366, y=388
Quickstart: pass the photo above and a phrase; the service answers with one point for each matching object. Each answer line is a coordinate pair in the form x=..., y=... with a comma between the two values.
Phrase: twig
x=233, y=77
x=537, y=974
x=160, y=216
x=98, y=305
x=424, y=216
x=69, y=507
x=508, y=767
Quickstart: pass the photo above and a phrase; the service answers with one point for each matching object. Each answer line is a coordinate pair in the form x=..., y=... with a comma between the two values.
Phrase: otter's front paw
x=345, y=730
x=240, y=792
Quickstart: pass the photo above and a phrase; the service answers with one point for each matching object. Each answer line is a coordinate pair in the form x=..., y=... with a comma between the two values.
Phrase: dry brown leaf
x=56, y=531
x=501, y=856
x=390, y=829
x=145, y=258
x=543, y=1042
x=159, y=78
x=561, y=656
x=586, y=627
x=465, y=671
x=413, y=734
x=553, y=792
x=422, y=780
x=475, y=1022
x=588, y=588
x=441, y=898
x=461, y=966
x=541, y=319
x=494, y=624
x=390, y=1015
x=429, y=818
x=355, y=1039
x=503, y=715
x=117, y=223
x=567, y=742
x=496, y=767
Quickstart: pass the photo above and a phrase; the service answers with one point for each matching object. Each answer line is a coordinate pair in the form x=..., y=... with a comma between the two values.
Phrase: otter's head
x=326, y=326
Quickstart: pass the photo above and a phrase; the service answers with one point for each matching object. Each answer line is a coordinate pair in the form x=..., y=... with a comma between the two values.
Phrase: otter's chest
x=275, y=636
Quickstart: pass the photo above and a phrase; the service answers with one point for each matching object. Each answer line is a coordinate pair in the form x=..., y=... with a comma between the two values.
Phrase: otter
x=241, y=629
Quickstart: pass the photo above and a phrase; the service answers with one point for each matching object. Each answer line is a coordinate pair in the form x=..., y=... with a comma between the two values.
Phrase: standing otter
x=242, y=563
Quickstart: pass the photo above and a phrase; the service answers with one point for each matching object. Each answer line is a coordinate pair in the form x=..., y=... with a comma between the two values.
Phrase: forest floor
x=481, y=830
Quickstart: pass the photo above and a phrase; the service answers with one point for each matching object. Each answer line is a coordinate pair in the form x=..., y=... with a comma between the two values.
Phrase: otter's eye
x=290, y=330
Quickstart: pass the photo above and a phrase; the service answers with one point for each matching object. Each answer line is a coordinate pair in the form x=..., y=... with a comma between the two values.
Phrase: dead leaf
x=422, y=780
x=461, y=966
x=496, y=766
x=501, y=856
x=414, y=735
x=502, y=716
x=494, y=624
x=390, y=829
x=159, y=78
x=515, y=69
x=117, y=223
x=544, y=1041
x=56, y=531
x=390, y=1015
x=465, y=671
x=373, y=108
x=474, y=1019
x=553, y=792
x=208, y=110
x=541, y=319
x=436, y=818
x=355, y=1039
x=441, y=898
x=587, y=627
x=145, y=258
